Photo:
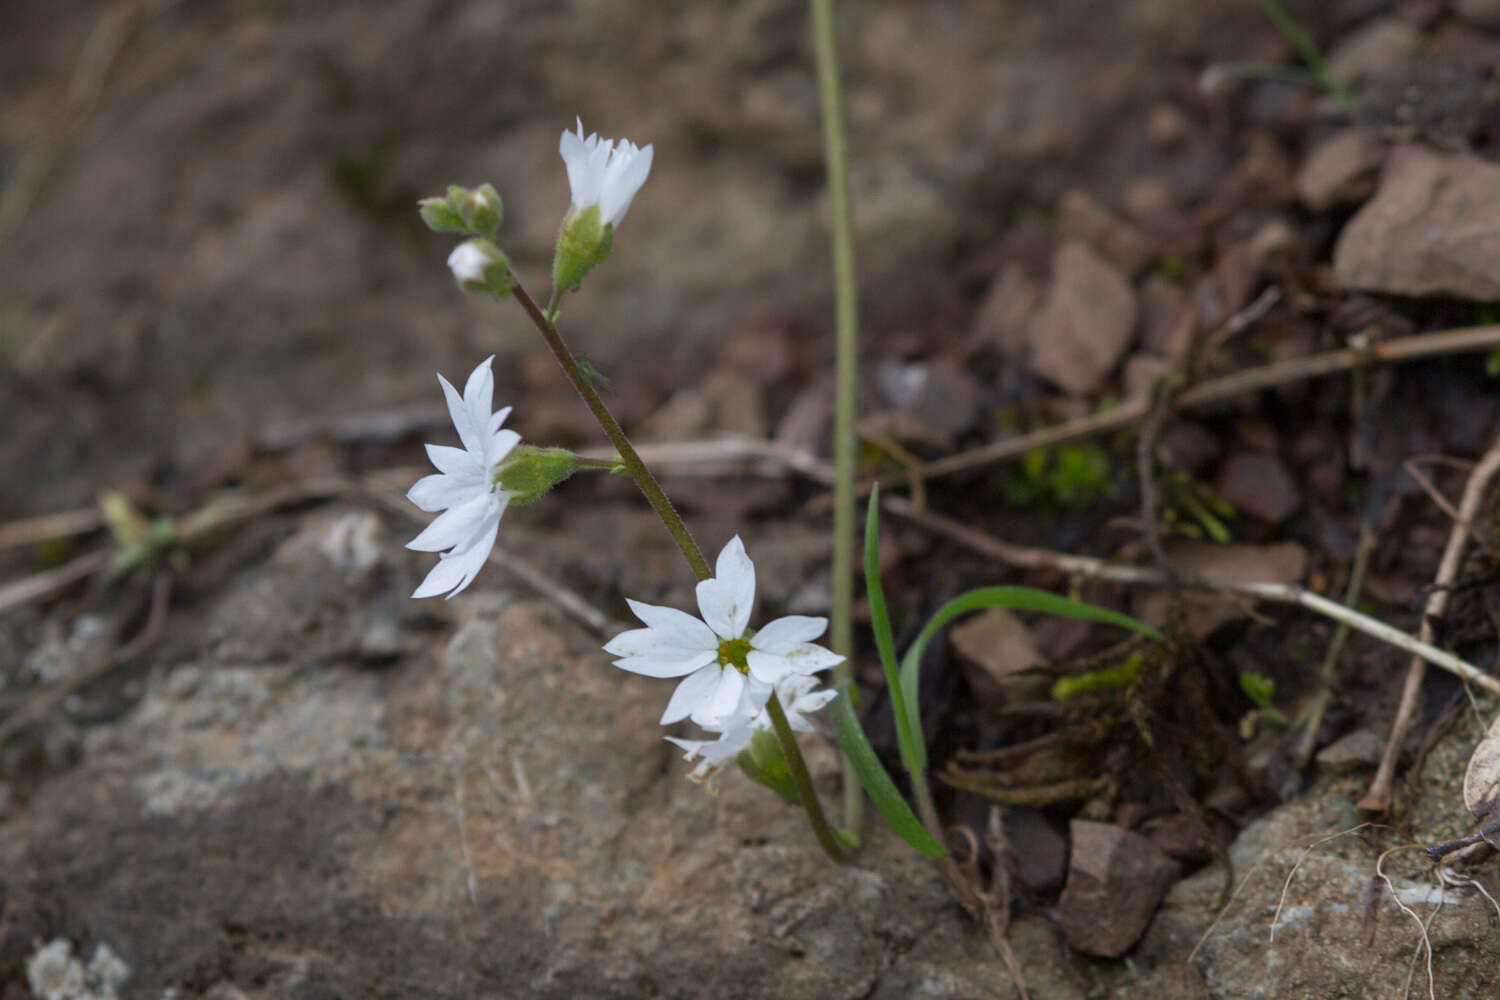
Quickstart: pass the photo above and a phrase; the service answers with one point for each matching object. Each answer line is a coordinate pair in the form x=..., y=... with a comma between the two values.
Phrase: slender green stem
x=628, y=457
x=608, y=464
x=1307, y=49
x=829, y=840
x=846, y=305
x=674, y=523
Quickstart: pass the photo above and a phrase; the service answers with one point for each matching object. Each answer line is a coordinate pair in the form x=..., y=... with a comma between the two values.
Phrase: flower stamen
x=733, y=653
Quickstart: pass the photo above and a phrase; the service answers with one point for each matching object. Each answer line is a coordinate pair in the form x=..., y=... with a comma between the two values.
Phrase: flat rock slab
x=493, y=814
x=1433, y=228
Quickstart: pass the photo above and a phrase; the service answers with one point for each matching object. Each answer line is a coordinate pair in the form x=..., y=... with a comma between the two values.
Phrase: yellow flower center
x=732, y=653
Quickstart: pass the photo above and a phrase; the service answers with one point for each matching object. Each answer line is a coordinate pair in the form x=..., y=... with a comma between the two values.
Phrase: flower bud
x=440, y=216
x=480, y=266
x=472, y=211
x=529, y=473
x=480, y=210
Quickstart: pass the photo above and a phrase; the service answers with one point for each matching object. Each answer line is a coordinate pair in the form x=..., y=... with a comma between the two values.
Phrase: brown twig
x=1025, y=557
x=39, y=585
x=1378, y=798
x=1162, y=395
x=1218, y=390
x=230, y=508
x=1281, y=593
x=32, y=530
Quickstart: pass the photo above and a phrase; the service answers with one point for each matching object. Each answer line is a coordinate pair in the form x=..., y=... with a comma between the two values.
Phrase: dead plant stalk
x=1378, y=798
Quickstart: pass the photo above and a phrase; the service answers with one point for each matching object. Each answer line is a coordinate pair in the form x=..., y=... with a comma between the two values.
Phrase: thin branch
x=1281, y=593
x=229, y=508
x=44, y=584
x=1218, y=390
x=65, y=524
x=637, y=469
x=1378, y=798
x=1025, y=557
x=713, y=452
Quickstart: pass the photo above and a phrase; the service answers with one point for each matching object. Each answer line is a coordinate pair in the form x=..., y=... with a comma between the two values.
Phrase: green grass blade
x=877, y=782
x=913, y=753
x=1015, y=598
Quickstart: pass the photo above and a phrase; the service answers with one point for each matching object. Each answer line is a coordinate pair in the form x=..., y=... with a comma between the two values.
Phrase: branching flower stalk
x=629, y=458
x=737, y=683
x=638, y=471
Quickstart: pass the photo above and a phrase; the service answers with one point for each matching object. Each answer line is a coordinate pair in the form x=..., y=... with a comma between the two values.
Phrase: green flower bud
x=440, y=216
x=480, y=266
x=583, y=240
x=529, y=473
x=480, y=210
x=764, y=763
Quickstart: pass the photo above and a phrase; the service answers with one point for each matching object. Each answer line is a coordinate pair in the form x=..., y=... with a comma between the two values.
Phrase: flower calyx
x=529, y=473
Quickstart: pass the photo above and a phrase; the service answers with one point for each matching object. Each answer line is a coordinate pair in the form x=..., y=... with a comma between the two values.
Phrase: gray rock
x=1168, y=318
x=1433, y=228
x=1273, y=246
x=1340, y=170
x=1282, y=562
x=1142, y=372
x=1006, y=312
x=1372, y=49
x=1086, y=321
x=933, y=401
x=995, y=647
x=495, y=815
x=1081, y=218
x=1115, y=881
x=1258, y=484
x=53, y=973
x=1352, y=750
x=1303, y=894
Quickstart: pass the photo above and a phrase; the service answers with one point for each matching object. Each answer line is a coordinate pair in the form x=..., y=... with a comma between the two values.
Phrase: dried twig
x=1162, y=395
x=1378, y=798
x=1218, y=390
x=39, y=585
x=33, y=530
x=1025, y=557
x=230, y=508
x=1281, y=593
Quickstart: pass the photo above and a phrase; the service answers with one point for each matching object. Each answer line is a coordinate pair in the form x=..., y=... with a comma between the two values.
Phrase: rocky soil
x=285, y=779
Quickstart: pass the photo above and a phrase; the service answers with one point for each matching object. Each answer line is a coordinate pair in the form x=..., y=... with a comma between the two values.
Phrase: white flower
x=468, y=262
x=464, y=487
x=720, y=662
x=713, y=755
x=799, y=695
x=601, y=173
